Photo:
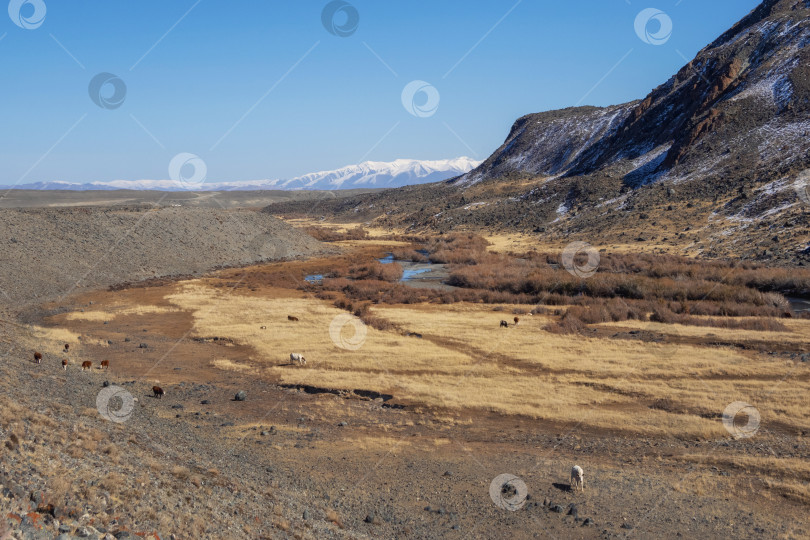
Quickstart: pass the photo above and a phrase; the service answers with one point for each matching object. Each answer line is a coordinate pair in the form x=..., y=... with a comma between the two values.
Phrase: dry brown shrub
x=328, y=234
x=376, y=270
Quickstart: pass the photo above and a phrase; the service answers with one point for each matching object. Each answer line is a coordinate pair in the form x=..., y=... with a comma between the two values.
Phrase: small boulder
x=241, y=395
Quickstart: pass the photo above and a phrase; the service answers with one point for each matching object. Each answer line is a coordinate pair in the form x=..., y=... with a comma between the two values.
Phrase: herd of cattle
x=577, y=480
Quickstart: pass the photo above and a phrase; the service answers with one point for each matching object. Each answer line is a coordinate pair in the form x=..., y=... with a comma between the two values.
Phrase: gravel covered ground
x=50, y=253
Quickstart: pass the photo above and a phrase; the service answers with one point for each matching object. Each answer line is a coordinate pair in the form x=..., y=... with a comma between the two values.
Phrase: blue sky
x=260, y=89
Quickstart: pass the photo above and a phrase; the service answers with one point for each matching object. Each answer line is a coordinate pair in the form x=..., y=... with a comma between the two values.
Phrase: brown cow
x=105, y=364
x=67, y=347
x=38, y=357
x=517, y=320
x=504, y=324
x=64, y=364
x=291, y=318
x=87, y=364
x=158, y=391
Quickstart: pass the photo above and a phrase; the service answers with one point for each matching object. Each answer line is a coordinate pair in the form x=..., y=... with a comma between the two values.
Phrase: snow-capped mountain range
x=369, y=174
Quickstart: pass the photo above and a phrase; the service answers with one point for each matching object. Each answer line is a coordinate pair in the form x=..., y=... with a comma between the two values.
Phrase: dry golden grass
x=788, y=476
x=466, y=361
x=240, y=318
x=799, y=330
x=111, y=314
x=228, y=365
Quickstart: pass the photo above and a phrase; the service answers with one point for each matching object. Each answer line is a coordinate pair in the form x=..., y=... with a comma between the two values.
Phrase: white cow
x=577, y=478
x=298, y=358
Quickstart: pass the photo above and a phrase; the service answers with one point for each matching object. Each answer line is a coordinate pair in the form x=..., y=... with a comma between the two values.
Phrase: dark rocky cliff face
x=744, y=99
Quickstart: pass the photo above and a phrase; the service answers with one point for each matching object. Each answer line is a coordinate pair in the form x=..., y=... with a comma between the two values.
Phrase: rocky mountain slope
x=740, y=108
x=709, y=163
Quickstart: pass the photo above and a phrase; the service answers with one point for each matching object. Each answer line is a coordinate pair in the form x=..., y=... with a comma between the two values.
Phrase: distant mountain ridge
x=369, y=174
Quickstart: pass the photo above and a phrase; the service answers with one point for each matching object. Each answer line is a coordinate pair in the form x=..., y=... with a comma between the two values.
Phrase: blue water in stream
x=406, y=274
x=409, y=274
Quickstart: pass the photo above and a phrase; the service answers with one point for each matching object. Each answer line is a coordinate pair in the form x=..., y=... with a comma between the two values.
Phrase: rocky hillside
x=740, y=108
x=707, y=164
x=48, y=253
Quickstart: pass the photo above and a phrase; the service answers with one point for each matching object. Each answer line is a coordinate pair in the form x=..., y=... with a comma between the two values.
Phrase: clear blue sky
x=336, y=106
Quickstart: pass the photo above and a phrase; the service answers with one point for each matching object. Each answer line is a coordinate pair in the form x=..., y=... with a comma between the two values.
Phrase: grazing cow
x=105, y=364
x=158, y=391
x=262, y=328
x=87, y=364
x=298, y=358
x=64, y=364
x=517, y=320
x=577, y=478
x=291, y=318
x=38, y=357
x=67, y=347
x=504, y=324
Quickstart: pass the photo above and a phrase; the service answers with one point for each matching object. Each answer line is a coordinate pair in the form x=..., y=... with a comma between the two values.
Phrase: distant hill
x=369, y=174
